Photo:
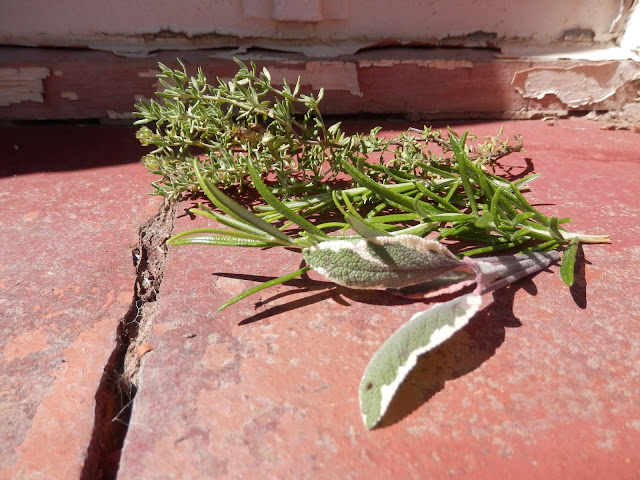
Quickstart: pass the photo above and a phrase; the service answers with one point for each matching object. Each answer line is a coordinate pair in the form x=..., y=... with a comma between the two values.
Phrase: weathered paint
x=297, y=24
x=328, y=75
x=22, y=84
x=69, y=95
x=114, y=115
x=576, y=86
x=442, y=64
x=436, y=83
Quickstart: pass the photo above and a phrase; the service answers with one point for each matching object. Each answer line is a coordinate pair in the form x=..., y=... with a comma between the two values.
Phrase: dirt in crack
x=119, y=383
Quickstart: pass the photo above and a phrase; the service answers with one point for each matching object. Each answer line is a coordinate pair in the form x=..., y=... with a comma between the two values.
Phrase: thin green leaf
x=363, y=228
x=521, y=217
x=521, y=232
x=436, y=198
x=567, y=267
x=393, y=218
x=218, y=231
x=484, y=220
x=264, y=285
x=554, y=230
x=384, y=193
x=232, y=208
x=495, y=202
x=524, y=182
x=221, y=241
x=272, y=200
x=464, y=166
x=239, y=225
x=452, y=217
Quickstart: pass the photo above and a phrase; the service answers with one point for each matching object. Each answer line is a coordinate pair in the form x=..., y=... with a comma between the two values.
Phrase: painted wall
x=316, y=27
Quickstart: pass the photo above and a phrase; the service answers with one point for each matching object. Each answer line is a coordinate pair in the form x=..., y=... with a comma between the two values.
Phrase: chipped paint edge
x=578, y=85
x=23, y=84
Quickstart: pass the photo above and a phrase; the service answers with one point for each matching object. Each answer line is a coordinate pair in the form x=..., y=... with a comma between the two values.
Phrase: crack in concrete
x=119, y=383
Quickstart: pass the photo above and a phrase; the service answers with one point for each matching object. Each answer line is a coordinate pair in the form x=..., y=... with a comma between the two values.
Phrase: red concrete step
x=72, y=199
x=541, y=384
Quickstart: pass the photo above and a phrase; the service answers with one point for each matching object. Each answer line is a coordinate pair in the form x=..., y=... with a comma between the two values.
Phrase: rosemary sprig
x=501, y=221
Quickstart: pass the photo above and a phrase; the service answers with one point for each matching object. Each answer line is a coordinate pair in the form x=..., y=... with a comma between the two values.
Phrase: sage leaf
x=391, y=364
x=381, y=262
x=445, y=284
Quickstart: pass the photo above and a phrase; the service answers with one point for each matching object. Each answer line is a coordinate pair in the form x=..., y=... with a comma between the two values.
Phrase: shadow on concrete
x=34, y=148
x=579, y=288
x=324, y=290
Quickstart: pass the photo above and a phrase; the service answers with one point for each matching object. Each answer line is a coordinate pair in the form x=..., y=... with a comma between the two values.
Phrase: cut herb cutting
x=365, y=211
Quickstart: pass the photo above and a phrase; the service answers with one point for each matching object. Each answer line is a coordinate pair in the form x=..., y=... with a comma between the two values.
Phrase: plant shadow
x=579, y=288
x=316, y=291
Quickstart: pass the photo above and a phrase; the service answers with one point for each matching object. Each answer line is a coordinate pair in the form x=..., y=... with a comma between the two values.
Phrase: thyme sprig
x=280, y=129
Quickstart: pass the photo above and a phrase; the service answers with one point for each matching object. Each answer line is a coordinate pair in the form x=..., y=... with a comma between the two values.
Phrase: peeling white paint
x=568, y=53
x=441, y=64
x=445, y=64
x=113, y=115
x=69, y=95
x=631, y=38
x=577, y=86
x=22, y=84
x=151, y=73
x=378, y=63
x=327, y=75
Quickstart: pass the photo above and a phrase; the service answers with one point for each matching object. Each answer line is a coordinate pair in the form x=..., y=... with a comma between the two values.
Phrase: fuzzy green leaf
x=381, y=262
x=391, y=364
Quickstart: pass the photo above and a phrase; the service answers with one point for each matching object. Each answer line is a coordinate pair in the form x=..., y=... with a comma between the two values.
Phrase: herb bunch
x=228, y=123
x=281, y=130
x=423, y=182
x=367, y=234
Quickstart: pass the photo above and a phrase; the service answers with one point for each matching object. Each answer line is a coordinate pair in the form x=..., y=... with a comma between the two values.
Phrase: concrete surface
x=72, y=199
x=542, y=384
